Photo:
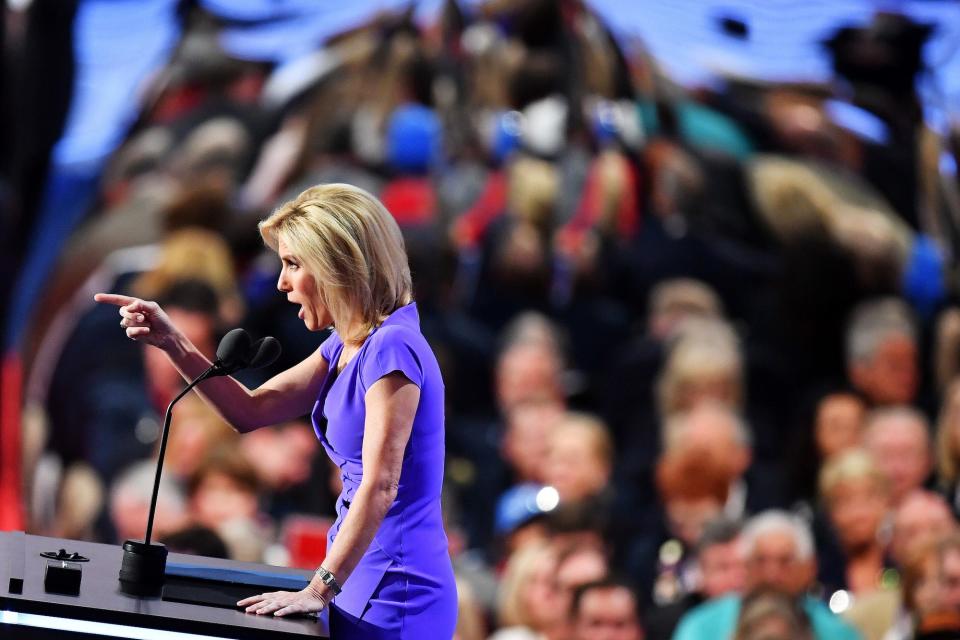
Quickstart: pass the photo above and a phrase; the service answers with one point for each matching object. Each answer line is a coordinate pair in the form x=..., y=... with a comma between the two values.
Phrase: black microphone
x=143, y=567
x=265, y=352
x=233, y=353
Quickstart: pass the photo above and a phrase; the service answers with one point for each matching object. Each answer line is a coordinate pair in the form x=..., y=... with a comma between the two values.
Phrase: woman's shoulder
x=395, y=347
x=396, y=333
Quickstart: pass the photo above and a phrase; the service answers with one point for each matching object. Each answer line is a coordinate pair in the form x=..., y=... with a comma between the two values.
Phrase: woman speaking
x=375, y=394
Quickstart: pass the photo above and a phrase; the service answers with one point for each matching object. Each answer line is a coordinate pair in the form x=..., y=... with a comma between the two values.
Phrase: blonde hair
x=687, y=295
x=706, y=349
x=533, y=189
x=352, y=246
x=516, y=579
x=948, y=456
x=855, y=464
x=194, y=253
x=601, y=444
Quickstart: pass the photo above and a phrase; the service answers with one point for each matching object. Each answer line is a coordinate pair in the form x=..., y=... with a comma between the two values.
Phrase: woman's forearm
x=367, y=511
x=243, y=409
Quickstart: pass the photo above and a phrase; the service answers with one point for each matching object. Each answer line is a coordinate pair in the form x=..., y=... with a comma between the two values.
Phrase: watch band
x=327, y=578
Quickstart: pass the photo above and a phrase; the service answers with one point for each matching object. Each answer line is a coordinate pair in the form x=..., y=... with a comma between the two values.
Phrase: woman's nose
x=282, y=283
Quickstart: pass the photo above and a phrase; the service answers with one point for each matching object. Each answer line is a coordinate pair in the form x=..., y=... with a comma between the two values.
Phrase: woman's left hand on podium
x=281, y=603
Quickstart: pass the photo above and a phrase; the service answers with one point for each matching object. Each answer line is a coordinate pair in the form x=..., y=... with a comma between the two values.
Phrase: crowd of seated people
x=702, y=372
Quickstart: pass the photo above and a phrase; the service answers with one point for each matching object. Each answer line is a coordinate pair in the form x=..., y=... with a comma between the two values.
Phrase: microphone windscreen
x=234, y=348
x=265, y=352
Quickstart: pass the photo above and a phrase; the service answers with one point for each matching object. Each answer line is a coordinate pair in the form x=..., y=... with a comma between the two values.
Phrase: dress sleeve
x=394, y=352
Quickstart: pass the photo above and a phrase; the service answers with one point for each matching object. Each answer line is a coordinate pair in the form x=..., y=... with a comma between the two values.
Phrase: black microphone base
x=142, y=571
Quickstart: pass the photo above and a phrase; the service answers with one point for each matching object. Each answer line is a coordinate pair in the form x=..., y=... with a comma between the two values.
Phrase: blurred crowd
x=701, y=348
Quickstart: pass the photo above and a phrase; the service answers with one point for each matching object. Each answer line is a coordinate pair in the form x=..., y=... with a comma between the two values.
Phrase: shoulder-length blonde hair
x=352, y=246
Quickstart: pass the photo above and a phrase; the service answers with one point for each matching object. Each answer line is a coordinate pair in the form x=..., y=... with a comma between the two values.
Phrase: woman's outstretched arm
x=285, y=396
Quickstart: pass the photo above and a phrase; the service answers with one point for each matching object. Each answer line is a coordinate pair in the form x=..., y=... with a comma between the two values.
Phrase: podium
x=102, y=610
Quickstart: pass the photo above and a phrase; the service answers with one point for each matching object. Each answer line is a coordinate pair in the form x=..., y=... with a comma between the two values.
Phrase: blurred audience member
x=579, y=458
x=605, y=610
x=529, y=372
x=130, y=497
x=767, y=614
x=716, y=428
x=282, y=457
x=704, y=364
x=577, y=565
x=882, y=357
x=838, y=423
x=950, y=571
x=529, y=430
x=675, y=300
x=923, y=517
x=79, y=503
x=922, y=593
x=628, y=391
x=531, y=605
x=856, y=497
x=779, y=556
x=898, y=439
x=693, y=488
x=223, y=495
x=195, y=431
x=721, y=570
x=921, y=514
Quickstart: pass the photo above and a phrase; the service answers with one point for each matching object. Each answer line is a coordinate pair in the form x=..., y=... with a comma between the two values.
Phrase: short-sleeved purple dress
x=403, y=586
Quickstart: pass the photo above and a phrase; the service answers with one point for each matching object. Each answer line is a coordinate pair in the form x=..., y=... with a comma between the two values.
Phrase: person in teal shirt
x=779, y=553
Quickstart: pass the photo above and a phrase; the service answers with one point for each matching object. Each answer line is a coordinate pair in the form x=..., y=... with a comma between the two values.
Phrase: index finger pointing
x=114, y=298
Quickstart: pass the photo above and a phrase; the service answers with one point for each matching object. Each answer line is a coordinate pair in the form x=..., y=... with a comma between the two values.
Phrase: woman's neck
x=353, y=332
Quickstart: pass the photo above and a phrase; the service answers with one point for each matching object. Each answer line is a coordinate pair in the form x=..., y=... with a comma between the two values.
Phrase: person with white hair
x=779, y=552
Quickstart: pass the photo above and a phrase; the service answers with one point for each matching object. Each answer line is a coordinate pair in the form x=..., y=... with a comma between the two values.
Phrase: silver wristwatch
x=329, y=579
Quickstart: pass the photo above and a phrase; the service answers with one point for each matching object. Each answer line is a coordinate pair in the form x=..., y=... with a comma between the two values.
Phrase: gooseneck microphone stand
x=144, y=563
x=163, y=449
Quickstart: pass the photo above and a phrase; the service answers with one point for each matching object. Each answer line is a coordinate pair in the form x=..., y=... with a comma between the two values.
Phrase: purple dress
x=403, y=586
